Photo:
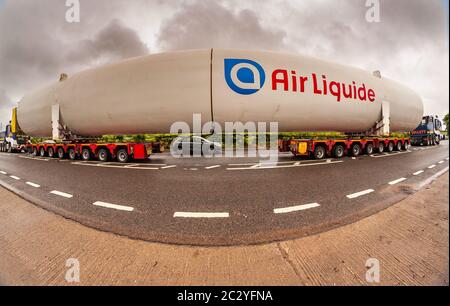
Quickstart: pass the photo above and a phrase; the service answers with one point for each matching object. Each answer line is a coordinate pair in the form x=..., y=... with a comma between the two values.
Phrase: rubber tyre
x=390, y=147
x=103, y=155
x=339, y=151
x=356, y=150
x=399, y=146
x=381, y=147
x=406, y=146
x=369, y=149
x=61, y=153
x=86, y=155
x=122, y=156
x=72, y=154
x=51, y=152
x=42, y=152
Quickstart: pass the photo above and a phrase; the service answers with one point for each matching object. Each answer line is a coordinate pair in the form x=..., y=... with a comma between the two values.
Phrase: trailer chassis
x=338, y=148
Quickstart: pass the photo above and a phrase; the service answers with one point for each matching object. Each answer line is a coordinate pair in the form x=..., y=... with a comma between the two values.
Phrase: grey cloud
x=409, y=45
x=204, y=24
x=115, y=41
x=37, y=43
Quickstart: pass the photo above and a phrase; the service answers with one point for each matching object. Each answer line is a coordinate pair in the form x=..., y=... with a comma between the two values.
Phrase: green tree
x=446, y=121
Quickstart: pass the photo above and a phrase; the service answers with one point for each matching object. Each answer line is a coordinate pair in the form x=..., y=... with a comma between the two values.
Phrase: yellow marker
x=302, y=148
x=14, y=121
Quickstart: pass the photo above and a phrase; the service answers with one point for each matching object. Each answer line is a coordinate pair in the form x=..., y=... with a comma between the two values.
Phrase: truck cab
x=428, y=133
x=12, y=139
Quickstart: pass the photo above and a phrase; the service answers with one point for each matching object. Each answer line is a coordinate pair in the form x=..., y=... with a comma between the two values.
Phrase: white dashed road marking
x=114, y=206
x=432, y=178
x=441, y=162
x=15, y=177
x=61, y=194
x=295, y=165
x=432, y=166
x=213, y=167
x=418, y=172
x=359, y=194
x=200, y=215
x=397, y=181
x=389, y=154
x=295, y=208
x=33, y=185
x=169, y=167
x=34, y=158
x=3, y=172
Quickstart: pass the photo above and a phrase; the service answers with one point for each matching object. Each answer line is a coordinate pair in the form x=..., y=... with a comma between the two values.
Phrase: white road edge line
x=113, y=206
x=295, y=208
x=260, y=167
x=169, y=167
x=15, y=177
x=432, y=166
x=200, y=215
x=33, y=185
x=61, y=194
x=397, y=181
x=359, y=194
x=418, y=172
x=213, y=167
x=432, y=178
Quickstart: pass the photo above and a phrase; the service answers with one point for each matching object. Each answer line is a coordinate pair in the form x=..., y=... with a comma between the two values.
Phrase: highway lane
x=221, y=201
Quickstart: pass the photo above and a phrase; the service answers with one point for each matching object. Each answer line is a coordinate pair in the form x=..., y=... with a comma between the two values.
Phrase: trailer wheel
x=356, y=150
x=319, y=152
x=390, y=147
x=339, y=151
x=42, y=152
x=51, y=152
x=381, y=147
x=86, y=154
x=406, y=146
x=369, y=149
x=103, y=155
x=122, y=156
x=399, y=146
x=72, y=154
x=61, y=153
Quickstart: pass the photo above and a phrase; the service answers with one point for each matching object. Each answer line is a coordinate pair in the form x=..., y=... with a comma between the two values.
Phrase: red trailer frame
x=338, y=148
x=122, y=152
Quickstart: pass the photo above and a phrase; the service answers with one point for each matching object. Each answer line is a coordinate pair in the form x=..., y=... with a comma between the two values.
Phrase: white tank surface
x=150, y=93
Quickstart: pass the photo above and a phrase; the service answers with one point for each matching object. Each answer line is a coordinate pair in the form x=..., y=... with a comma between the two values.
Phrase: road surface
x=221, y=201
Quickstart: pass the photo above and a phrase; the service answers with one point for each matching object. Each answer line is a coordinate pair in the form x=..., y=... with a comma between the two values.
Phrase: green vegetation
x=446, y=122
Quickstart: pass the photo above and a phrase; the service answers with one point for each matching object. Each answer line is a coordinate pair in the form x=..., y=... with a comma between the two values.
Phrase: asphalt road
x=221, y=201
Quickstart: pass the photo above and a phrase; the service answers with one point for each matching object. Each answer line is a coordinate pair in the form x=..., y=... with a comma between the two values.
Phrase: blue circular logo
x=243, y=76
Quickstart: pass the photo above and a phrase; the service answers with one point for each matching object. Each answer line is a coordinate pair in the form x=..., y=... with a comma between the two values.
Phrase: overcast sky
x=410, y=44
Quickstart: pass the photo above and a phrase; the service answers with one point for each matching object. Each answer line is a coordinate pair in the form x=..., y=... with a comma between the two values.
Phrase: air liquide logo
x=243, y=76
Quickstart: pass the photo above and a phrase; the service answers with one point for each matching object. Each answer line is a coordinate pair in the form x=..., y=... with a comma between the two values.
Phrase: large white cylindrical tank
x=148, y=94
x=295, y=102
x=140, y=95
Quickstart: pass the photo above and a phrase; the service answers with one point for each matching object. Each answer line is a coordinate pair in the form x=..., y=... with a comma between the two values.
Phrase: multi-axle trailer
x=104, y=152
x=338, y=148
